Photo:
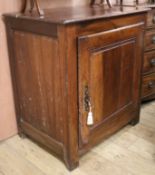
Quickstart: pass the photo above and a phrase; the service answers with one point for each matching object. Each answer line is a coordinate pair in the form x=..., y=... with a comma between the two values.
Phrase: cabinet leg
x=22, y=135
x=71, y=165
x=134, y=121
x=71, y=160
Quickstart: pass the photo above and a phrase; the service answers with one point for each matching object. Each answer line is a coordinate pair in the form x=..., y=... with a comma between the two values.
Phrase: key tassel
x=90, y=118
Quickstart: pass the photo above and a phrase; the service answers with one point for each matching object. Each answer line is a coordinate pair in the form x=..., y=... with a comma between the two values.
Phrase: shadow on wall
x=7, y=113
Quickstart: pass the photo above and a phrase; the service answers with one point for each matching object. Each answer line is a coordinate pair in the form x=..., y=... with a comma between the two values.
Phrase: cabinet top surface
x=68, y=15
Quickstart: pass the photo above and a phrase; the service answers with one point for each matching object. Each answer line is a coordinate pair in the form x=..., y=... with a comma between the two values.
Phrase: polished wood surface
x=128, y=152
x=151, y=18
x=52, y=63
x=149, y=62
x=149, y=55
x=150, y=40
x=148, y=86
x=69, y=15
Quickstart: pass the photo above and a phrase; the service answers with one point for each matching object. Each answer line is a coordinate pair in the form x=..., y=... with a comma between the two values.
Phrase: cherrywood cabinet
x=71, y=58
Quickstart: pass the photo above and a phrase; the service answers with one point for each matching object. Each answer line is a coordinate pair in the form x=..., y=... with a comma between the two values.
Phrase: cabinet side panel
x=36, y=65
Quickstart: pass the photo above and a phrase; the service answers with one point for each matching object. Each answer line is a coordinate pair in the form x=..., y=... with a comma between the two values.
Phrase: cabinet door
x=109, y=78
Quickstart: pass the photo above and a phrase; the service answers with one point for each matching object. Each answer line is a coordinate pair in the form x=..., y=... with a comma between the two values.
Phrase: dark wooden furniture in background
x=69, y=59
x=93, y=2
x=148, y=88
x=123, y=2
x=148, y=75
x=33, y=4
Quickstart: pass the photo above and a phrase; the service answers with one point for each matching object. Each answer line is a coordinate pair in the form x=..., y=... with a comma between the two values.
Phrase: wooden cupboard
x=69, y=61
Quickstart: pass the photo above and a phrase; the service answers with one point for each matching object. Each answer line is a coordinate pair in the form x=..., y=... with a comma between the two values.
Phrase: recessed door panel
x=110, y=94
